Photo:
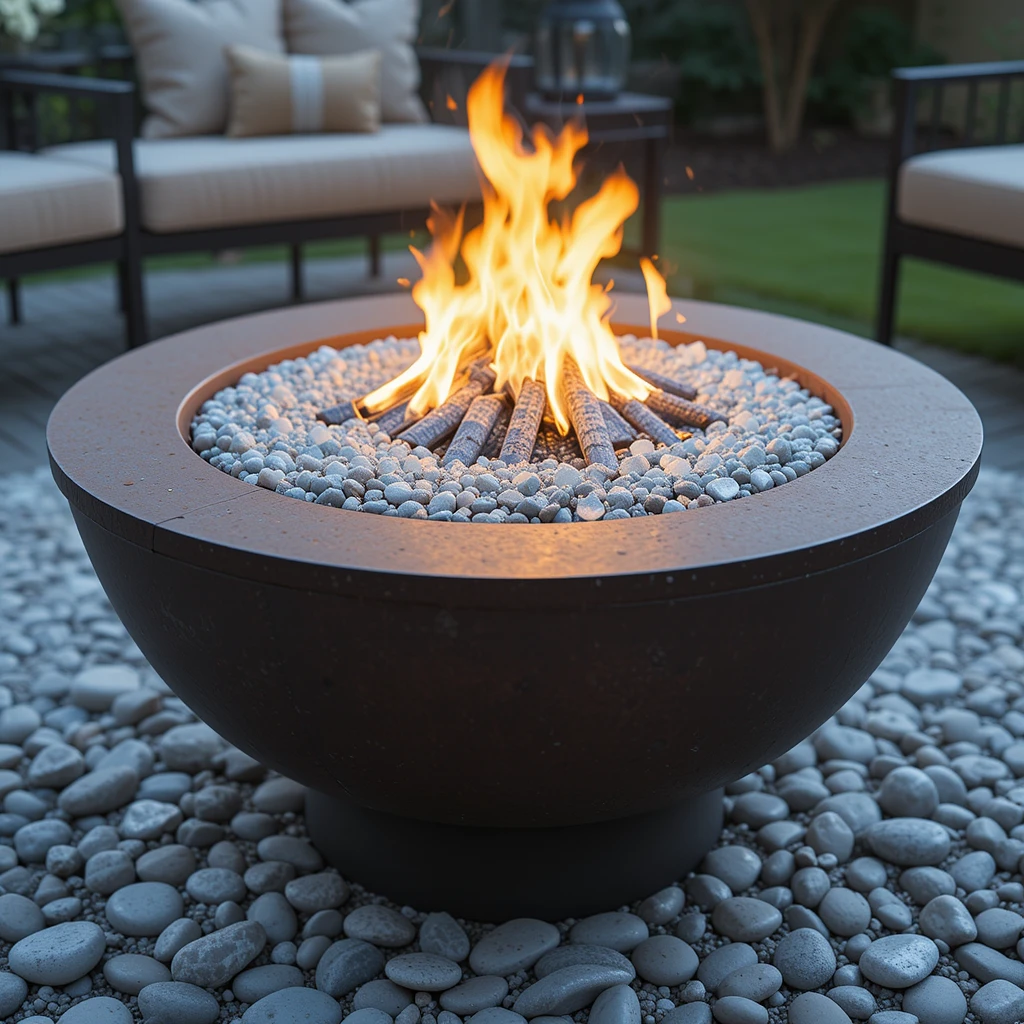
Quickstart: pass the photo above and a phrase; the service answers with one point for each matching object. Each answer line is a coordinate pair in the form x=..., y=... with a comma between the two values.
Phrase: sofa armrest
x=448, y=74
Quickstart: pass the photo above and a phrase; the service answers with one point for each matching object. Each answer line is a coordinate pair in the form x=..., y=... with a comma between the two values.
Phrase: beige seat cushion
x=191, y=184
x=331, y=27
x=977, y=192
x=46, y=202
x=179, y=54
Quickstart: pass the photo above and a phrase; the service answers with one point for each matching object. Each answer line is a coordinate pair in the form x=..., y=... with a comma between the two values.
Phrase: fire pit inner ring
x=534, y=679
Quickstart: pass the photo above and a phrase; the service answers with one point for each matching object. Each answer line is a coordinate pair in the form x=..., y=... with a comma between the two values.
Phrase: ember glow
x=527, y=301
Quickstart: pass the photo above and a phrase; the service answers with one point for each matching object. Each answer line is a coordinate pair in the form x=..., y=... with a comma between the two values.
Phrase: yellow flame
x=527, y=300
x=657, y=294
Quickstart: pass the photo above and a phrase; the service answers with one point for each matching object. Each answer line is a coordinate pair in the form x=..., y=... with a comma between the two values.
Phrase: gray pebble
x=179, y=1002
x=253, y=984
x=149, y=819
x=908, y=792
x=347, y=965
x=988, y=964
x=946, y=918
x=691, y=927
x=721, y=962
x=278, y=796
x=56, y=766
x=295, y=1004
x=130, y=973
x=805, y=959
x=809, y=886
x=745, y=919
x=253, y=826
x=215, y=885
x=58, y=955
x=307, y=956
x=96, y=688
x=383, y=994
x=322, y=891
x=292, y=850
x=98, y=792
x=974, y=870
x=666, y=960
x=568, y=990
x=19, y=917
x=936, y=1000
x=812, y=1008
x=474, y=995
x=144, y=909
x=755, y=981
x=214, y=959
x=98, y=1010
x=441, y=934
x=371, y=1015
x=909, y=842
x=495, y=1015
x=998, y=1002
x=108, y=871
x=175, y=936
x=662, y=906
x=581, y=953
x=924, y=884
x=513, y=946
x=844, y=912
x=616, y=1005
x=423, y=972
x=856, y=1002
x=614, y=929
x=190, y=748
x=171, y=864
x=899, y=961
x=999, y=928
x=737, y=866
x=694, y=1013
x=268, y=876
x=13, y=991
x=276, y=916
x=737, y=1010
x=378, y=924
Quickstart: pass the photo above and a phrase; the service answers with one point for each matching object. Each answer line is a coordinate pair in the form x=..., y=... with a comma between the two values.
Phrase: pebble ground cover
x=150, y=872
x=264, y=431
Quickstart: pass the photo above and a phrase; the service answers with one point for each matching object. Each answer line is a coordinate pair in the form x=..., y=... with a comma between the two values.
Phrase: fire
x=527, y=301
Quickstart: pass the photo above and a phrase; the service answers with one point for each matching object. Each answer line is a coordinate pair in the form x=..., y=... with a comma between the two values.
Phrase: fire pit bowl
x=476, y=710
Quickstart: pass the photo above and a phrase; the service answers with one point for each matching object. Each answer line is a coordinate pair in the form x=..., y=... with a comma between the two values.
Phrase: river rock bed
x=264, y=431
x=150, y=872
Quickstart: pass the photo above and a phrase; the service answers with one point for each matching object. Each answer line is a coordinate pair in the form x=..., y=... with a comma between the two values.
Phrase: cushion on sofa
x=46, y=202
x=978, y=192
x=206, y=182
x=179, y=53
x=273, y=94
x=326, y=27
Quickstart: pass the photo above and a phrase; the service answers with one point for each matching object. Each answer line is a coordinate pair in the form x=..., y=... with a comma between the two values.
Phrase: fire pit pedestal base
x=494, y=874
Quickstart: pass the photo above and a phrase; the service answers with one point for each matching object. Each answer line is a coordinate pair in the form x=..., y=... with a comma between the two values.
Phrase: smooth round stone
x=936, y=1000
x=909, y=842
x=856, y=1002
x=215, y=885
x=755, y=981
x=175, y=936
x=865, y=874
x=98, y=792
x=383, y=994
x=33, y=841
x=829, y=833
x=988, y=964
x=130, y=973
x=908, y=792
x=924, y=884
x=737, y=866
x=691, y=927
x=179, y=1002
x=108, y=871
x=380, y=925
x=581, y=953
x=744, y=919
x=307, y=956
x=974, y=870
x=97, y=1010
x=167, y=788
x=666, y=960
x=252, y=985
x=616, y=1005
x=322, y=891
x=369, y=1015
x=190, y=748
x=253, y=826
x=96, y=688
x=348, y=964
x=805, y=959
x=692, y=1013
x=279, y=796
x=721, y=962
x=55, y=766
x=423, y=972
x=568, y=990
x=812, y=1008
x=707, y=891
x=276, y=916
x=13, y=991
x=268, y=876
x=930, y=685
x=737, y=1010
x=324, y=922
x=474, y=995
x=513, y=946
x=58, y=955
x=614, y=929
x=999, y=928
x=998, y=1002
x=946, y=918
x=292, y=850
x=144, y=908
x=759, y=809
x=844, y=912
x=215, y=959
x=441, y=934
x=858, y=810
x=899, y=961
x=171, y=864
x=662, y=906
x=297, y=1006
x=19, y=917
x=496, y=1015
x=149, y=819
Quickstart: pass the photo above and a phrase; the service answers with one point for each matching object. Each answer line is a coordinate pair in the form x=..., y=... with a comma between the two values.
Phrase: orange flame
x=528, y=301
x=657, y=294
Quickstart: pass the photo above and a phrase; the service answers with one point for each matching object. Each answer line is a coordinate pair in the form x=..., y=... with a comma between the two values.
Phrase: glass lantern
x=582, y=47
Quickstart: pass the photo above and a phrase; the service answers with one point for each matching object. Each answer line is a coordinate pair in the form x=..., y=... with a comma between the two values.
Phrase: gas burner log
x=475, y=428
x=647, y=422
x=338, y=414
x=586, y=417
x=521, y=435
x=681, y=411
x=666, y=384
x=439, y=423
x=392, y=421
x=619, y=430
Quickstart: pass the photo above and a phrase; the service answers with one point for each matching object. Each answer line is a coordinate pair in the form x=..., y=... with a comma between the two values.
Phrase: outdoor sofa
x=962, y=204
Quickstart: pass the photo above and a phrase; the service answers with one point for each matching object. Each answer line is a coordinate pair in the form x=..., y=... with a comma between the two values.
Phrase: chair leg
x=133, y=296
x=887, y=296
x=298, y=288
x=374, y=241
x=13, y=301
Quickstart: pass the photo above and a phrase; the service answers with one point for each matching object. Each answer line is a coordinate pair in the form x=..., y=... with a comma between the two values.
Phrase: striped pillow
x=276, y=94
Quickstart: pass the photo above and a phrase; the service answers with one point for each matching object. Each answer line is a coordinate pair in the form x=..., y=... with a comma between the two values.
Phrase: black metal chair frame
x=115, y=99
x=445, y=73
x=903, y=239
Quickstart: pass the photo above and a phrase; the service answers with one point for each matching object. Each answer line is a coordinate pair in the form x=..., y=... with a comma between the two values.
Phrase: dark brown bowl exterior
x=520, y=676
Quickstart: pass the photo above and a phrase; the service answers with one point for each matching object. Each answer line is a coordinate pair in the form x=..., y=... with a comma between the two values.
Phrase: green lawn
x=814, y=252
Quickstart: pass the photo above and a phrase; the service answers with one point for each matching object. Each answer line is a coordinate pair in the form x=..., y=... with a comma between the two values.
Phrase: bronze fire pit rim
x=118, y=454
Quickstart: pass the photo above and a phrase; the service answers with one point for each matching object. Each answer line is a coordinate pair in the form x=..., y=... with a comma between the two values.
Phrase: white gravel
x=264, y=431
x=871, y=873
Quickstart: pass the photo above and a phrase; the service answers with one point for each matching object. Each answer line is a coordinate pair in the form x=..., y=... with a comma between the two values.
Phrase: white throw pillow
x=333, y=27
x=179, y=55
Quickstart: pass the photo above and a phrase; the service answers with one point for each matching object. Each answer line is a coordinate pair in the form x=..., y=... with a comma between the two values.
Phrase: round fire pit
x=481, y=712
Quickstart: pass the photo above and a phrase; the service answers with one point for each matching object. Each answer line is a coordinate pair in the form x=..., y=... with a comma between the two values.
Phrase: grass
x=814, y=252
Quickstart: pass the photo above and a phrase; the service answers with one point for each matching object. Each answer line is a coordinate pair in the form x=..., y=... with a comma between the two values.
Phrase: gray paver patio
x=72, y=327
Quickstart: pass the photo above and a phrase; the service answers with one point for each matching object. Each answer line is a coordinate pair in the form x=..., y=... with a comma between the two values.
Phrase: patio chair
x=56, y=213
x=961, y=204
